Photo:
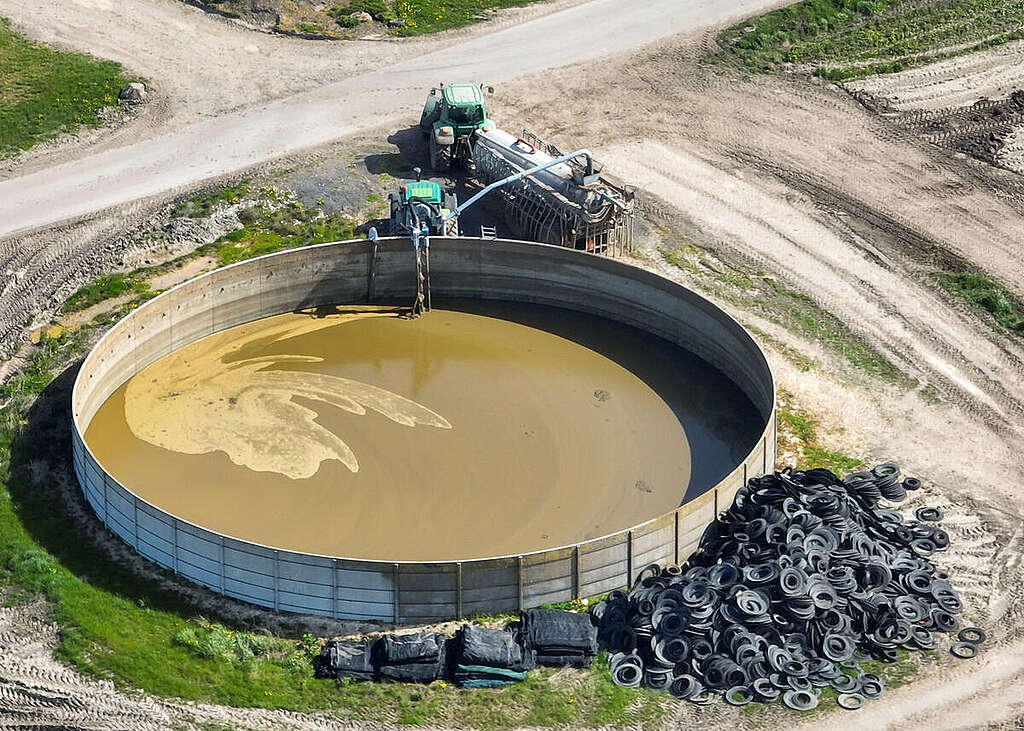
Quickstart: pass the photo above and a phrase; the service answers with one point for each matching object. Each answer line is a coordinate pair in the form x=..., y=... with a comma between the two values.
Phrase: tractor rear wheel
x=440, y=156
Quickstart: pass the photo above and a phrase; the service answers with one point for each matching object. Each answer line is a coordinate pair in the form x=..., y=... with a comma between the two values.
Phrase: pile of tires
x=793, y=588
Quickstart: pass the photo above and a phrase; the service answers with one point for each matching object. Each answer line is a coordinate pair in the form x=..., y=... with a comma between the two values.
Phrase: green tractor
x=426, y=201
x=452, y=114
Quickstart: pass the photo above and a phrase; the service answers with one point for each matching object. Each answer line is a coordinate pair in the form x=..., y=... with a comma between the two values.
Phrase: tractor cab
x=452, y=113
x=424, y=200
x=422, y=190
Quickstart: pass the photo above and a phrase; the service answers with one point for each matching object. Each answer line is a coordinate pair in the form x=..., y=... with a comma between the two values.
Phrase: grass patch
x=798, y=440
x=105, y=287
x=202, y=205
x=798, y=312
x=275, y=227
x=274, y=222
x=985, y=294
x=802, y=361
x=431, y=16
x=845, y=39
x=44, y=92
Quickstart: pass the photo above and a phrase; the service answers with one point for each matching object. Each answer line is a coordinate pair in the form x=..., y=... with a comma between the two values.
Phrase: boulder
x=134, y=92
x=362, y=16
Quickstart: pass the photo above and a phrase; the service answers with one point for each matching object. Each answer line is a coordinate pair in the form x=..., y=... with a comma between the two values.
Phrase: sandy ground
x=801, y=181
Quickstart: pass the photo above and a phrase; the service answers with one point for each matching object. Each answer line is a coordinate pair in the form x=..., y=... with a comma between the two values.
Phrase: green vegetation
x=804, y=362
x=798, y=440
x=792, y=310
x=845, y=39
x=284, y=224
x=422, y=16
x=431, y=16
x=798, y=313
x=44, y=92
x=986, y=294
x=201, y=205
x=105, y=287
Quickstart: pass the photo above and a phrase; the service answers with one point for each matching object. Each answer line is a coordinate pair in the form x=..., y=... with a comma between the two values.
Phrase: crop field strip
x=847, y=39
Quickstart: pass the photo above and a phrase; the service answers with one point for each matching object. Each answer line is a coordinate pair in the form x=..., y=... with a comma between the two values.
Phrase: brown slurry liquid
x=476, y=430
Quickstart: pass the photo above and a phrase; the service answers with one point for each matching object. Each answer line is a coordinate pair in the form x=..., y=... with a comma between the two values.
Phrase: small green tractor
x=452, y=114
x=426, y=201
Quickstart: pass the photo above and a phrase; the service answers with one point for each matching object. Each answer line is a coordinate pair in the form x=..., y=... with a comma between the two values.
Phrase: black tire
x=440, y=156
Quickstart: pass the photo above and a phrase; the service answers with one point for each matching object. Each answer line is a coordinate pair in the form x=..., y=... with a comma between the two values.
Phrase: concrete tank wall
x=407, y=591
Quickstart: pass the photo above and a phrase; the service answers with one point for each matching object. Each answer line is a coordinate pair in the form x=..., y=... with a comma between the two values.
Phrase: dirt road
x=235, y=140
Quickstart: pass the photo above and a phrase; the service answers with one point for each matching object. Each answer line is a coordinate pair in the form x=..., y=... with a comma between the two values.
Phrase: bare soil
x=972, y=104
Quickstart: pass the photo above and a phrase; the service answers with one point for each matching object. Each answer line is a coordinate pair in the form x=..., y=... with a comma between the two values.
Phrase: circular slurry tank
x=281, y=432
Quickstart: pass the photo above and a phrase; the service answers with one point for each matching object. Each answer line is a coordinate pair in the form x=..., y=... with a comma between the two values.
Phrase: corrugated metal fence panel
x=191, y=311
x=365, y=590
x=654, y=542
x=693, y=519
x=427, y=591
x=604, y=564
x=727, y=488
x=305, y=584
x=152, y=336
x=548, y=577
x=756, y=462
x=490, y=586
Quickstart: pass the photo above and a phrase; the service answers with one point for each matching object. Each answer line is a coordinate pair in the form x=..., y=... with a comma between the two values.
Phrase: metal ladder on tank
x=421, y=249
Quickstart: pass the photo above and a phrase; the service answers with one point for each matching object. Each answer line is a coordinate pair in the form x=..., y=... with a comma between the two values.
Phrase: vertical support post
x=775, y=439
x=519, y=582
x=334, y=588
x=222, y=582
x=105, y=500
x=576, y=574
x=277, y=601
x=135, y=521
x=395, y=574
x=629, y=558
x=458, y=589
x=174, y=535
x=675, y=532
